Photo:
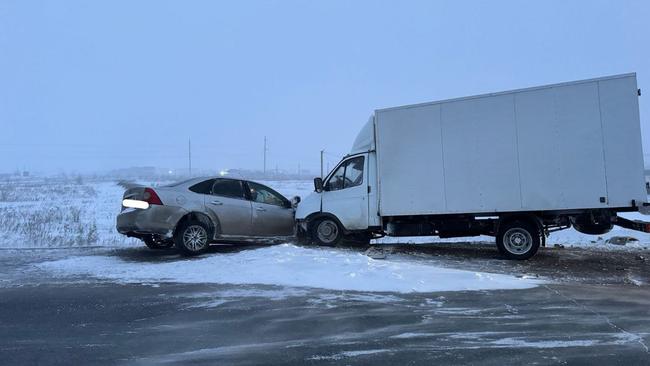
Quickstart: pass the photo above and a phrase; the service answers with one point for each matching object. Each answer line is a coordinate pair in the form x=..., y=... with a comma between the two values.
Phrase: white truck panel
x=619, y=102
x=541, y=167
x=562, y=146
x=402, y=154
x=480, y=169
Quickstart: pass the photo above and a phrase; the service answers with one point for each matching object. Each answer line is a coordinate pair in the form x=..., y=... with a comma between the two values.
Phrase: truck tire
x=326, y=232
x=192, y=237
x=518, y=240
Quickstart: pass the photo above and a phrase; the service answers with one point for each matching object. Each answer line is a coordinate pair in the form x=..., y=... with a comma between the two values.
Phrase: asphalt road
x=584, y=316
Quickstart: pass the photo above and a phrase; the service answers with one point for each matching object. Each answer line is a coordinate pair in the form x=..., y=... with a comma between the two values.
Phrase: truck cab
x=344, y=202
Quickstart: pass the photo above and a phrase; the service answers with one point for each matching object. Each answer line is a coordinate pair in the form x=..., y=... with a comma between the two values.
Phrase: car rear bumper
x=156, y=220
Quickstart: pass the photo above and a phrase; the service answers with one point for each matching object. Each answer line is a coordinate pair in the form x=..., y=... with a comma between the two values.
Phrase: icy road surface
x=106, y=306
x=293, y=266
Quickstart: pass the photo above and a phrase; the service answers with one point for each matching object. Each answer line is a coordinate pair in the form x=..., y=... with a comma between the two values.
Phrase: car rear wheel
x=326, y=232
x=192, y=238
x=518, y=240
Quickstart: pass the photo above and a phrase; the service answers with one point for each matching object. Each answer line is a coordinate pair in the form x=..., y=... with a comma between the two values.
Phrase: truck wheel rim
x=517, y=241
x=327, y=231
x=195, y=238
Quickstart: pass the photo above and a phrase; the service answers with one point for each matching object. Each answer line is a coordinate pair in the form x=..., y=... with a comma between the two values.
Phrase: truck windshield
x=349, y=174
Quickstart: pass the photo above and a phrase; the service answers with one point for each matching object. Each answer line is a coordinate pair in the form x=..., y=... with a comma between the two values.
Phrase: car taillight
x=151, y=197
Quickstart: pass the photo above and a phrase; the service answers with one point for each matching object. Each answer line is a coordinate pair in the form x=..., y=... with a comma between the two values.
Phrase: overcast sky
x=95, y=85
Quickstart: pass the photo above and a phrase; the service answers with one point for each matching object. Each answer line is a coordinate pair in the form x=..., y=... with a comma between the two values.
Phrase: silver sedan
x=196, y=212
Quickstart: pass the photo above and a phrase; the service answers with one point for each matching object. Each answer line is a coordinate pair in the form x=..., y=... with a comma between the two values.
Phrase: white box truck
x=516, y=165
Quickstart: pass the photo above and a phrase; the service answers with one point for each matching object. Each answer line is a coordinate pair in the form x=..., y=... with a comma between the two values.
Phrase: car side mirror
x=318, y=184
x=295, y=201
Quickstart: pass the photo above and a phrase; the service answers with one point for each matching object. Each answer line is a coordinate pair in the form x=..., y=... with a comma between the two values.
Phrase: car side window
x=263, y=194
x=349, y=174
x=204, y=187
x=228, y=188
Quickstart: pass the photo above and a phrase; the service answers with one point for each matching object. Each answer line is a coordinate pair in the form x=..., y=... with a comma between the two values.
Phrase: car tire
x=518, y=240
x=192, y=238
x=326, y=232
x=152, y=243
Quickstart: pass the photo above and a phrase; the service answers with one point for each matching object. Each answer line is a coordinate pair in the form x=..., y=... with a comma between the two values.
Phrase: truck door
x=345, y=193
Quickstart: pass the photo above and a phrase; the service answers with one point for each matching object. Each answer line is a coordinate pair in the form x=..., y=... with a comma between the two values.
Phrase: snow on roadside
x=572, y=238
x=292, y=266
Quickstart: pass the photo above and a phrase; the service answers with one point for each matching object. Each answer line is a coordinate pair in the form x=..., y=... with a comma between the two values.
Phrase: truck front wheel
x=326, y=231
x=518, y=240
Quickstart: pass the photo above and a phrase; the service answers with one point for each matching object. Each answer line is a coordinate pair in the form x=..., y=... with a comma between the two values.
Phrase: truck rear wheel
x=518, y=240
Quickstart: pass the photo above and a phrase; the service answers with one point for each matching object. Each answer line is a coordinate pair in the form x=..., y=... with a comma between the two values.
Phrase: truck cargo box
x=573, y=145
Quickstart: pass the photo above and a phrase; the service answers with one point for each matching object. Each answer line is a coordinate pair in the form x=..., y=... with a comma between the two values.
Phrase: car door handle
x=218, y=203
x=260, y=209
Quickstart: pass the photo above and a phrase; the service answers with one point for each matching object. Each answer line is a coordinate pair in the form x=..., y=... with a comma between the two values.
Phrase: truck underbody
x=593, y=222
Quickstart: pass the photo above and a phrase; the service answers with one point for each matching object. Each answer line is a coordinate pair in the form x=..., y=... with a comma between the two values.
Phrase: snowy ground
x=131, y=305
x=292, y=266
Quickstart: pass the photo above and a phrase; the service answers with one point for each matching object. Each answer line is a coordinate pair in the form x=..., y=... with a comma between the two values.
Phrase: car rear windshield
x=204, y=187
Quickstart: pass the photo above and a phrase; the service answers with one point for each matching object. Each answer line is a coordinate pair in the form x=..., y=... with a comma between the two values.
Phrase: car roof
x=192, y=181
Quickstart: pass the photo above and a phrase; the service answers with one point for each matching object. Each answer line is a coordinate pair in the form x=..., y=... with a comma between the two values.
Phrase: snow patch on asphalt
x=292, y=266
x=348, y=354
x=522, y=343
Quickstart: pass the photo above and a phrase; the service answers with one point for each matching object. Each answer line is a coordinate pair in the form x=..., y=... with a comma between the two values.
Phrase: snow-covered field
x=59, y=212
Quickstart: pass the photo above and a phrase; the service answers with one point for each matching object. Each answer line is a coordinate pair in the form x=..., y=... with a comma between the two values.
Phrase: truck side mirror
x=318, y=184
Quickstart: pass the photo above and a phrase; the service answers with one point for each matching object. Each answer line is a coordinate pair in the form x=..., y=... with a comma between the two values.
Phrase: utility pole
x=265, y=155
x=321, y=163
x=189, y=154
